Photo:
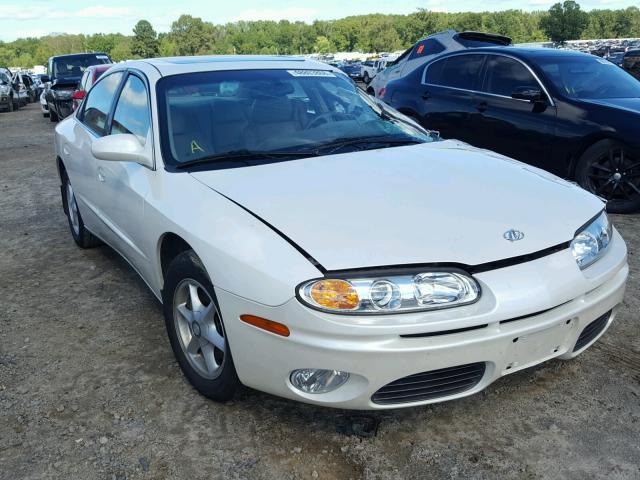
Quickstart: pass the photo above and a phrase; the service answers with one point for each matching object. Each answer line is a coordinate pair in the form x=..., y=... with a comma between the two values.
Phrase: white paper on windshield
x=310, y=73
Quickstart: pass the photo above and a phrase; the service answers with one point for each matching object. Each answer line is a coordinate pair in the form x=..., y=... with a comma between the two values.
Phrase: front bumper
x=544, y=305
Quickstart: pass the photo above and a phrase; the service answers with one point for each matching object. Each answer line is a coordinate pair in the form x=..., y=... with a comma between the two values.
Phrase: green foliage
x=367, y=33
x=145, y=40
x=191, y=35
x=565, y=21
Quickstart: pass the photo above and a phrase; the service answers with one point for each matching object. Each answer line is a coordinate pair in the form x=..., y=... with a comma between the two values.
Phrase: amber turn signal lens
x=268, y=325
x=335, y=294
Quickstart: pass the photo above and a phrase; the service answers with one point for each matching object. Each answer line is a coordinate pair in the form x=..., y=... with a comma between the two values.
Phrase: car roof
x=85, y=54
x=526, y=52
x=177, y=65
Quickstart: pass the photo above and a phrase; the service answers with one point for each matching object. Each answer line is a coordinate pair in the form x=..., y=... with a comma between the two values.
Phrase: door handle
x=100, y=174
x=482, y=106
x=426, y=95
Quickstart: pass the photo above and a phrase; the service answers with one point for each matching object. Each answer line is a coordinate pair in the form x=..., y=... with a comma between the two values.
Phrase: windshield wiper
x=246, y=155
x=364, y=141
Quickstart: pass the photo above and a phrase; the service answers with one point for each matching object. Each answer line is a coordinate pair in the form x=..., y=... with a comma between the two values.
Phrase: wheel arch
x=170, y=246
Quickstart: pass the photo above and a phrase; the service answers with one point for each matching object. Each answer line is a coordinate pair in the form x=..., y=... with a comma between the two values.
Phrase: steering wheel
x=324, y=118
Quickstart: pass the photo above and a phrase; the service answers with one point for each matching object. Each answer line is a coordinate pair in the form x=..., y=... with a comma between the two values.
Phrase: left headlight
x=590, y=242
x=4, y=89
x=428, y=290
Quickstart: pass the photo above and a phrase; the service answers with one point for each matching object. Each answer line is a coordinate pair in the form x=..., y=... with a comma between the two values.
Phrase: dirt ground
x=89, y=388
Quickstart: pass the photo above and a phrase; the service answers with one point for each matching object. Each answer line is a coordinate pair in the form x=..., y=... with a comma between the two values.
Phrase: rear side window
x=505, y=75
x=430, y=46
x=98, y=103
x=459, y=71
x=132, y=112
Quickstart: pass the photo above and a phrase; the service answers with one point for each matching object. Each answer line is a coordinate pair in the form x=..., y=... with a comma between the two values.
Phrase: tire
x=53, y=116
x=365, y=78
x=608, y=169
x=45, y=115
x=83, y=237
x=10, y=107
x=195, y=336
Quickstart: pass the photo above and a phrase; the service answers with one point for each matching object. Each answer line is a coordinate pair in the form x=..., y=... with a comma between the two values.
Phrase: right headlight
x=591, y=241
x=426, y=290
x=4, y=89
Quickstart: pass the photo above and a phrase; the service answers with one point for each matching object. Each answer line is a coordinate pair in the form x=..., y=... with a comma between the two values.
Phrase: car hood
x=632, y=104
x=438, y=202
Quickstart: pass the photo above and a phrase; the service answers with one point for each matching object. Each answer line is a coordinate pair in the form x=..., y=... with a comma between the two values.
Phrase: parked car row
x=18, y=89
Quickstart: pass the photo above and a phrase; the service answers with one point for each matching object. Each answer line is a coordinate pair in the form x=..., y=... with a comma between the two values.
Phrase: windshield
x=74, y=66
x=589, y=77
x=208, y=114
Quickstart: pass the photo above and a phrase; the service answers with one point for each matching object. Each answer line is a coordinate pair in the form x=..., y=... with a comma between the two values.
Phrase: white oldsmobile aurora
x=309, y=242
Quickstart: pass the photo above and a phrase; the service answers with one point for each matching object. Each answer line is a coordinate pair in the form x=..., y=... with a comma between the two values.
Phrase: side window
x=459, y=71
x=505, y=75
x=132, y=111
x=98, y=103
x=429, y=46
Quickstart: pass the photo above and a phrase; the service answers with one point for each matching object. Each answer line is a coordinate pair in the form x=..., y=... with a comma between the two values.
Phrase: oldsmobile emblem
x=513, y=235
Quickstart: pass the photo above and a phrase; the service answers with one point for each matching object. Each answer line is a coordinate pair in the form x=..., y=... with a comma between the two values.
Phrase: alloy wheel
x=72, y=207
x=615, y=175
x=199, y=329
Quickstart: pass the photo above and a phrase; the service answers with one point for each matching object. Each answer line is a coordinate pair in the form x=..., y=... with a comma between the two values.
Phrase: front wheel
x=53, y=116
x=608, y=169
x=196, y=330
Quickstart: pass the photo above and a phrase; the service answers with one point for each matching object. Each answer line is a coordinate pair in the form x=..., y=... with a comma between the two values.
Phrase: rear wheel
x=608, y=169
x=196, y=330
x=366, y=78
x=83, y=237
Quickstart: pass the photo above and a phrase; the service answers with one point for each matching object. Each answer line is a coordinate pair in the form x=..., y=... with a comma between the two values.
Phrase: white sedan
x=307, y=241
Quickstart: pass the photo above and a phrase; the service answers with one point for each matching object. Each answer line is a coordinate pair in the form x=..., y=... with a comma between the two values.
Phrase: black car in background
x=64, y=73
x=631, y=62
x=571, y=113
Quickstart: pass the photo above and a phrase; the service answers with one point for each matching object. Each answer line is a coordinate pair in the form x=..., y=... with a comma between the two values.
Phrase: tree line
x=366, y=33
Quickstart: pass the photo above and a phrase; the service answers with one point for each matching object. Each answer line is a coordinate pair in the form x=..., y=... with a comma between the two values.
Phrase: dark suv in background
x=64, y=73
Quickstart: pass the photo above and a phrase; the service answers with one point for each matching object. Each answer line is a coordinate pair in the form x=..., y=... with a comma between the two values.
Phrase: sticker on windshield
x=310, y=73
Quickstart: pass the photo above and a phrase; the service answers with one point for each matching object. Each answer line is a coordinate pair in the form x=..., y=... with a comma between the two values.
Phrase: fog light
x=312, y=380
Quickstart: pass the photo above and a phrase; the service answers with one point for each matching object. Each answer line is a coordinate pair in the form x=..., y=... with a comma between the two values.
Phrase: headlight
x=591, y=241
x=427, y=290
x=4, y=89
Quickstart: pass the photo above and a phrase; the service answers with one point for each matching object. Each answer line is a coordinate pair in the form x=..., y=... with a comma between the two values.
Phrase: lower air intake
x=592, y=330
x=429, y=385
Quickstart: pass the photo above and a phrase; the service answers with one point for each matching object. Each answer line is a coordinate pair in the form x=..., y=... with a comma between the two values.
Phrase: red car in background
x=89, y=77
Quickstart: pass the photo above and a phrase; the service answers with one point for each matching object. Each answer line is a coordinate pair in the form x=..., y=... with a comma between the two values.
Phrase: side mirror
x=529, y=94
x=121, y=148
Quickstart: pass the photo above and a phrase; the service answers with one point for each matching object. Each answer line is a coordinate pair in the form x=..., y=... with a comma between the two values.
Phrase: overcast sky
x=21, y=18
